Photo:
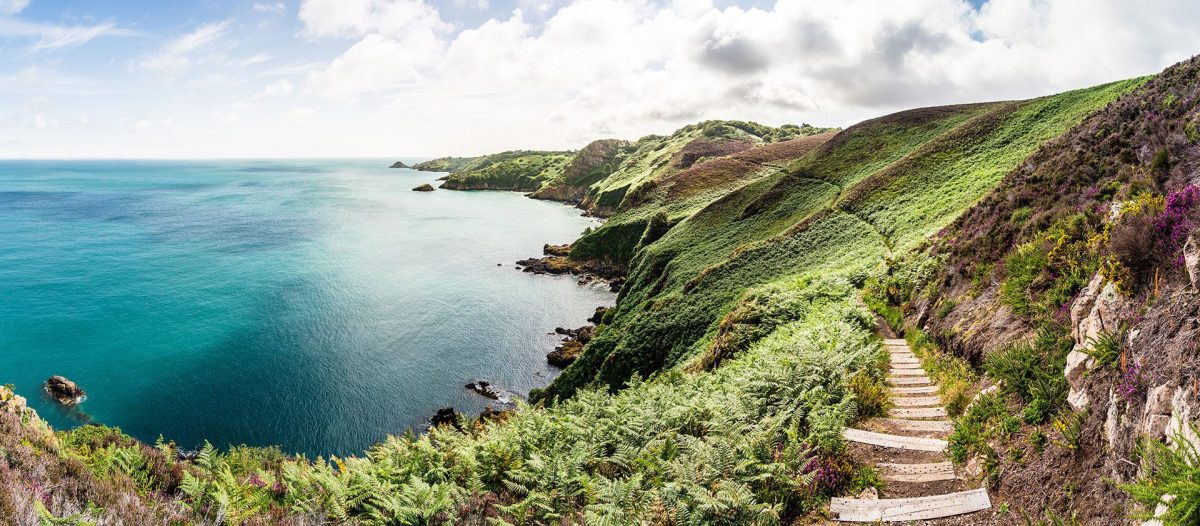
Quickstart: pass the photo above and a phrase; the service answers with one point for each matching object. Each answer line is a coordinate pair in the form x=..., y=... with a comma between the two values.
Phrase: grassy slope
x=747, y=307
x=520, y=171
x=679, y=174
x=839, y=212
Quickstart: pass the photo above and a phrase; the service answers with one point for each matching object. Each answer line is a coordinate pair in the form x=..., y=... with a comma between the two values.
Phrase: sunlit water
x=318, y=306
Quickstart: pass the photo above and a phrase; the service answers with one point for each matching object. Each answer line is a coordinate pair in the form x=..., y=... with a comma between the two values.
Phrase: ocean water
x=314, y=305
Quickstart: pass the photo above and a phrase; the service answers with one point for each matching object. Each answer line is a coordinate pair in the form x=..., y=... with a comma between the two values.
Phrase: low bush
x=1169, y=470
x=871, y=395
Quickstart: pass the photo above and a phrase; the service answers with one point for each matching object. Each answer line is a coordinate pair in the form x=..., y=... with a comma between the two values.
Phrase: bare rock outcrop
x=1096, y=311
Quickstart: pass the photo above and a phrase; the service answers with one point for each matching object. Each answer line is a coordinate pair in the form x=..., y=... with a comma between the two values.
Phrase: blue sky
x=386, y=78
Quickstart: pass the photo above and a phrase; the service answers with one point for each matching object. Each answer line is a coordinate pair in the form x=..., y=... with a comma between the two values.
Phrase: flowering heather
x=1175, y=222
x=1132, y=382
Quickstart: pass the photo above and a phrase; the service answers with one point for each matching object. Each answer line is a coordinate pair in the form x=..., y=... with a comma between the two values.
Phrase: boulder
x=598, y=317
x=424, y=188
x=565, y=354
x=1191, y=256
x=1112, y=420
x=64, y=391
x=556, y=250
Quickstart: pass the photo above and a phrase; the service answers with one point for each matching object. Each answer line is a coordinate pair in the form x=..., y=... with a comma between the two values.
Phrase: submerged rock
x=64, y=391
x=424, y=188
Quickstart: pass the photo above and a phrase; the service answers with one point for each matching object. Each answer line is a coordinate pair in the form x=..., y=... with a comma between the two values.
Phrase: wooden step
x=911, y=509
x=916, y=401
x=915, y=426
x=895, y=341
x=905, y=365
x=904, y=359
x=908, y=380
x=906, y=372
x=894, y=441
x=917, y=472
x=917, y=412
x=923, y=389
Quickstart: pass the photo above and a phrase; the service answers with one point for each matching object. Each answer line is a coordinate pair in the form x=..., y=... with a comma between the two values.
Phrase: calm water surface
x=314, y=305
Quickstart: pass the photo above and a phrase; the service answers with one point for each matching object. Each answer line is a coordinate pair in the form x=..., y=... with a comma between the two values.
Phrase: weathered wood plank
x=911, y=509
x=922, y=389
x=895, y=341
x=917, y=412
x=906, y=372
x=925, y=426
x=894, y=441
x=916, y=401
x=906, y=366
x=917, y=472
x=908, y=380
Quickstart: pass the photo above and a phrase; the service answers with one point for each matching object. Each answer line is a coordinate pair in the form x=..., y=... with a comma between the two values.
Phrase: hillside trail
x=907, y=447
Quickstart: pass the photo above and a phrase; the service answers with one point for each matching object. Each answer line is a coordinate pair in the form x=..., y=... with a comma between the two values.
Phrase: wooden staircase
x=909, y=446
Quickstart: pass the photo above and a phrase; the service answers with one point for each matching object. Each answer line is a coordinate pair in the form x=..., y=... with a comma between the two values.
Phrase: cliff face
x=1091, y=240
x=593, y=163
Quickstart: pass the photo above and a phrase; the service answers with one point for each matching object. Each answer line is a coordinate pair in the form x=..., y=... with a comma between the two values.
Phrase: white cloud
x=278, y=88
x=277, y=7
x=12, y=7
x=378, y=63
x=628, y=66
x=180, y=53
x=357, y=18
x=51, y=36
x=558, y=73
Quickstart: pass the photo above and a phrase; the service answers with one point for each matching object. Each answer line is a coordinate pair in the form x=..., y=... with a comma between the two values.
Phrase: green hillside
x=835, y=212
x=444, y=164
x=518, y=171
x=714, y=393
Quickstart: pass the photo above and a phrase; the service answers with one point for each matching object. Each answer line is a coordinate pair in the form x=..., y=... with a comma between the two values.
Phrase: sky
x=422, y=78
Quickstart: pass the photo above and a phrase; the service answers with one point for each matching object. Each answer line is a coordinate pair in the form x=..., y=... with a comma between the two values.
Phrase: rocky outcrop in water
x=484, y=388
x=64, y=391
x=445, y=416
x=398, y=164
x=572, y=345
x=424, y=188
x=556, y=261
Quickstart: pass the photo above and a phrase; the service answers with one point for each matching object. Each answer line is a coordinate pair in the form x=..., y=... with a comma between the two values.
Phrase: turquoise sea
x=314, y=305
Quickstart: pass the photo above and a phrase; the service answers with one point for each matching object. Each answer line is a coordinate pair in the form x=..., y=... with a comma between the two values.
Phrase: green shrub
x=946, y=308
x=1161, y=161
x=1105, y=348
x=1169, y=470
x=984, y=420
x=1069, y=425
x=1021, y=268
x=871, y=395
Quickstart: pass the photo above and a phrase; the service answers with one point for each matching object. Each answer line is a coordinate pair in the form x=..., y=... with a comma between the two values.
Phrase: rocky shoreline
x=555, y=260
x=574, y=340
